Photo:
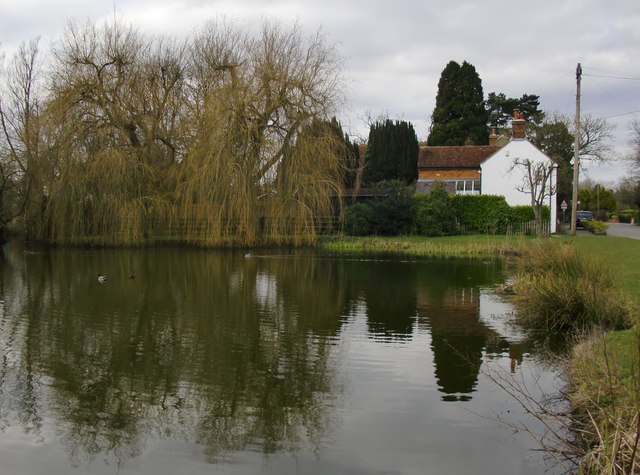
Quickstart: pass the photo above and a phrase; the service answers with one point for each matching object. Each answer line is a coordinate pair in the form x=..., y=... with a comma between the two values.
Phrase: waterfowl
x=132, y=275
x=102, y=278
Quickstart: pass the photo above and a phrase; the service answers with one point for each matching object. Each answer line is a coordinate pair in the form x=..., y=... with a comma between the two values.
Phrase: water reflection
x=451, y=310
x=211, y=348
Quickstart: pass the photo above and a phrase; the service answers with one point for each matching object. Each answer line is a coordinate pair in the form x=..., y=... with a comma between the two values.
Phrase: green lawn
x=480, y=246
x=622, y=254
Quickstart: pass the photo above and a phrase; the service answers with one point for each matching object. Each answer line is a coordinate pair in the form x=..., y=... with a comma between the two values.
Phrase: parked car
x=583, y=216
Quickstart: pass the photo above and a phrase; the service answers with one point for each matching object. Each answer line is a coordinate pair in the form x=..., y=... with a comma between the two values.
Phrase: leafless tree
x=634, y=155
x=538, y=183
x=20, y=131
x=596, y=137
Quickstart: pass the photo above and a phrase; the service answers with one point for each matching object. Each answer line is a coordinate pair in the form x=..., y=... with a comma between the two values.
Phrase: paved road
x=623, y=230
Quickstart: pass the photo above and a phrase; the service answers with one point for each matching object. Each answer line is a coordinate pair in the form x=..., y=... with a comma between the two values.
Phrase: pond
x=192, y=361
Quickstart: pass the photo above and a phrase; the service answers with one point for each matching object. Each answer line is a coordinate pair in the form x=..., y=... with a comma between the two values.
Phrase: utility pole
x=576, y=154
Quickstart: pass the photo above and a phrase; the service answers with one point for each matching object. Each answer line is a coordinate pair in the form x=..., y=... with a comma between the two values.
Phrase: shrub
x=522, y=214
x=357, y=220
x=486, y=214
x=434, y=214
x=624, y=217
x=595, y=227
x=393, y=213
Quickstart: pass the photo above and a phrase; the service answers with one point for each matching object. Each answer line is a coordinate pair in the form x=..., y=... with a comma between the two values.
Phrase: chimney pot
x=518, y=125
x=493, y=138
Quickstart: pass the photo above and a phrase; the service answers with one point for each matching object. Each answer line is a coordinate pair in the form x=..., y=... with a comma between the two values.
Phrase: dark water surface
x=280, y=362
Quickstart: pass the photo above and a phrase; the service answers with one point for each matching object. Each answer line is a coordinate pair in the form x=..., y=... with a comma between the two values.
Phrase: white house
x=493, y=169
x=506, y=172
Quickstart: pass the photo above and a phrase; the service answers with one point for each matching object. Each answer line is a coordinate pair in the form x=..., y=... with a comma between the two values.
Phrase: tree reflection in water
x=211, y=348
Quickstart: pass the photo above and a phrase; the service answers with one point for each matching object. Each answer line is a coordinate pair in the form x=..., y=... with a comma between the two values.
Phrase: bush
x=625, y=216
x=357, y=220
x=434, y=214
x=595, y=227
x=394, y=213
x=486, y=214
x=522, y=214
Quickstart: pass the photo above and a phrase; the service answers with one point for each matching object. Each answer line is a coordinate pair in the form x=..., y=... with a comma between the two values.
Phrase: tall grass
x=559, y=289
x=561, y=286
x=605, y=397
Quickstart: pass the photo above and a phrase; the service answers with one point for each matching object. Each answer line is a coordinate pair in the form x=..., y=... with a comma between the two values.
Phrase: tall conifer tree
x=392, y=152
x=459, y=113
x=500, y=108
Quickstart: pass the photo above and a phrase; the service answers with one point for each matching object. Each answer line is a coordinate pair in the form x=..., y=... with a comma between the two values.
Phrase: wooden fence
x=528, y=228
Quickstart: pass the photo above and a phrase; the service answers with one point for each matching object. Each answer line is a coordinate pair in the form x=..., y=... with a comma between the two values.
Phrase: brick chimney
x=518, y=126
x=493, y=138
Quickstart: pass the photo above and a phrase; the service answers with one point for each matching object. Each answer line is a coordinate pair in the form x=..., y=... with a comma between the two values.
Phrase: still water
x=277, y=362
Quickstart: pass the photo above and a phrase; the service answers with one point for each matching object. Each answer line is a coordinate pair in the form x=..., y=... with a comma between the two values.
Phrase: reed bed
x=557, y=288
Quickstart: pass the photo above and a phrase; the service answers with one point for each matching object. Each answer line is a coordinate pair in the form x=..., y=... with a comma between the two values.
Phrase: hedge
x=435, y=214
x=484, y=214
x=524, y=213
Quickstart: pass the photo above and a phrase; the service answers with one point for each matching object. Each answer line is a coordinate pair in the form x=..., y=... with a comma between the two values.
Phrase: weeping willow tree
x=113, y=133
x=221, y=140
x=261, y=170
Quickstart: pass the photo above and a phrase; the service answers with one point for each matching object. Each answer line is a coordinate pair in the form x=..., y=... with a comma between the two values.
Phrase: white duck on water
x=102, y=278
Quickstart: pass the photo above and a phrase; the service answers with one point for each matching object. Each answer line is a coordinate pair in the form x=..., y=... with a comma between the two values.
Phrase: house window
x=467, y=187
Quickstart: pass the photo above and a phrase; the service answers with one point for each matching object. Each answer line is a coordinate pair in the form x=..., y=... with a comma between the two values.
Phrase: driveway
x=623, y=230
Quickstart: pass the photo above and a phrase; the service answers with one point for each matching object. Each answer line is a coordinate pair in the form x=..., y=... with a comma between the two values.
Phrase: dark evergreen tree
x=460, y=112
x=352, y=162
x=392, y=152
x=500, y=109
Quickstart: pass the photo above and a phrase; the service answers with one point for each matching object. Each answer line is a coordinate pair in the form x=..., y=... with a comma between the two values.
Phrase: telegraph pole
x=576, y=154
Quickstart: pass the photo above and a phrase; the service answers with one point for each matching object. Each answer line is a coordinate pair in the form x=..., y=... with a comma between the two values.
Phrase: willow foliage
x=260, y=171
x=218, y=141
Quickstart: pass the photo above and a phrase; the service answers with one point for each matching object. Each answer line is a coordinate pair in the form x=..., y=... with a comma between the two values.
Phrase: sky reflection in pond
x=284, y=362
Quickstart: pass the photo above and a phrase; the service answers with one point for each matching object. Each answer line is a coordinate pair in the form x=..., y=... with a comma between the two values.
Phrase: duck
x=102, y=278
x=131, y=275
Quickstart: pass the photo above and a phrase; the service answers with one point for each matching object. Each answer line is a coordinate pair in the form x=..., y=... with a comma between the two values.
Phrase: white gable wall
x=499, y=177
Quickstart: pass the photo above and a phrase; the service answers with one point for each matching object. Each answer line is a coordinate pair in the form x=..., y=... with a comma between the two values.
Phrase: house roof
x=464, y=156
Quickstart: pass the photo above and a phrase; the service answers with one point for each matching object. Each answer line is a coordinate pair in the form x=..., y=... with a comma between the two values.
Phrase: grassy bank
x=589, y=286
x=560, y=288
x=605, y=370
x=479, y=246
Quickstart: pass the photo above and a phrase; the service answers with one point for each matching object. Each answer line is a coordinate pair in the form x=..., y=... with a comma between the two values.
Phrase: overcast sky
x=394, y=51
